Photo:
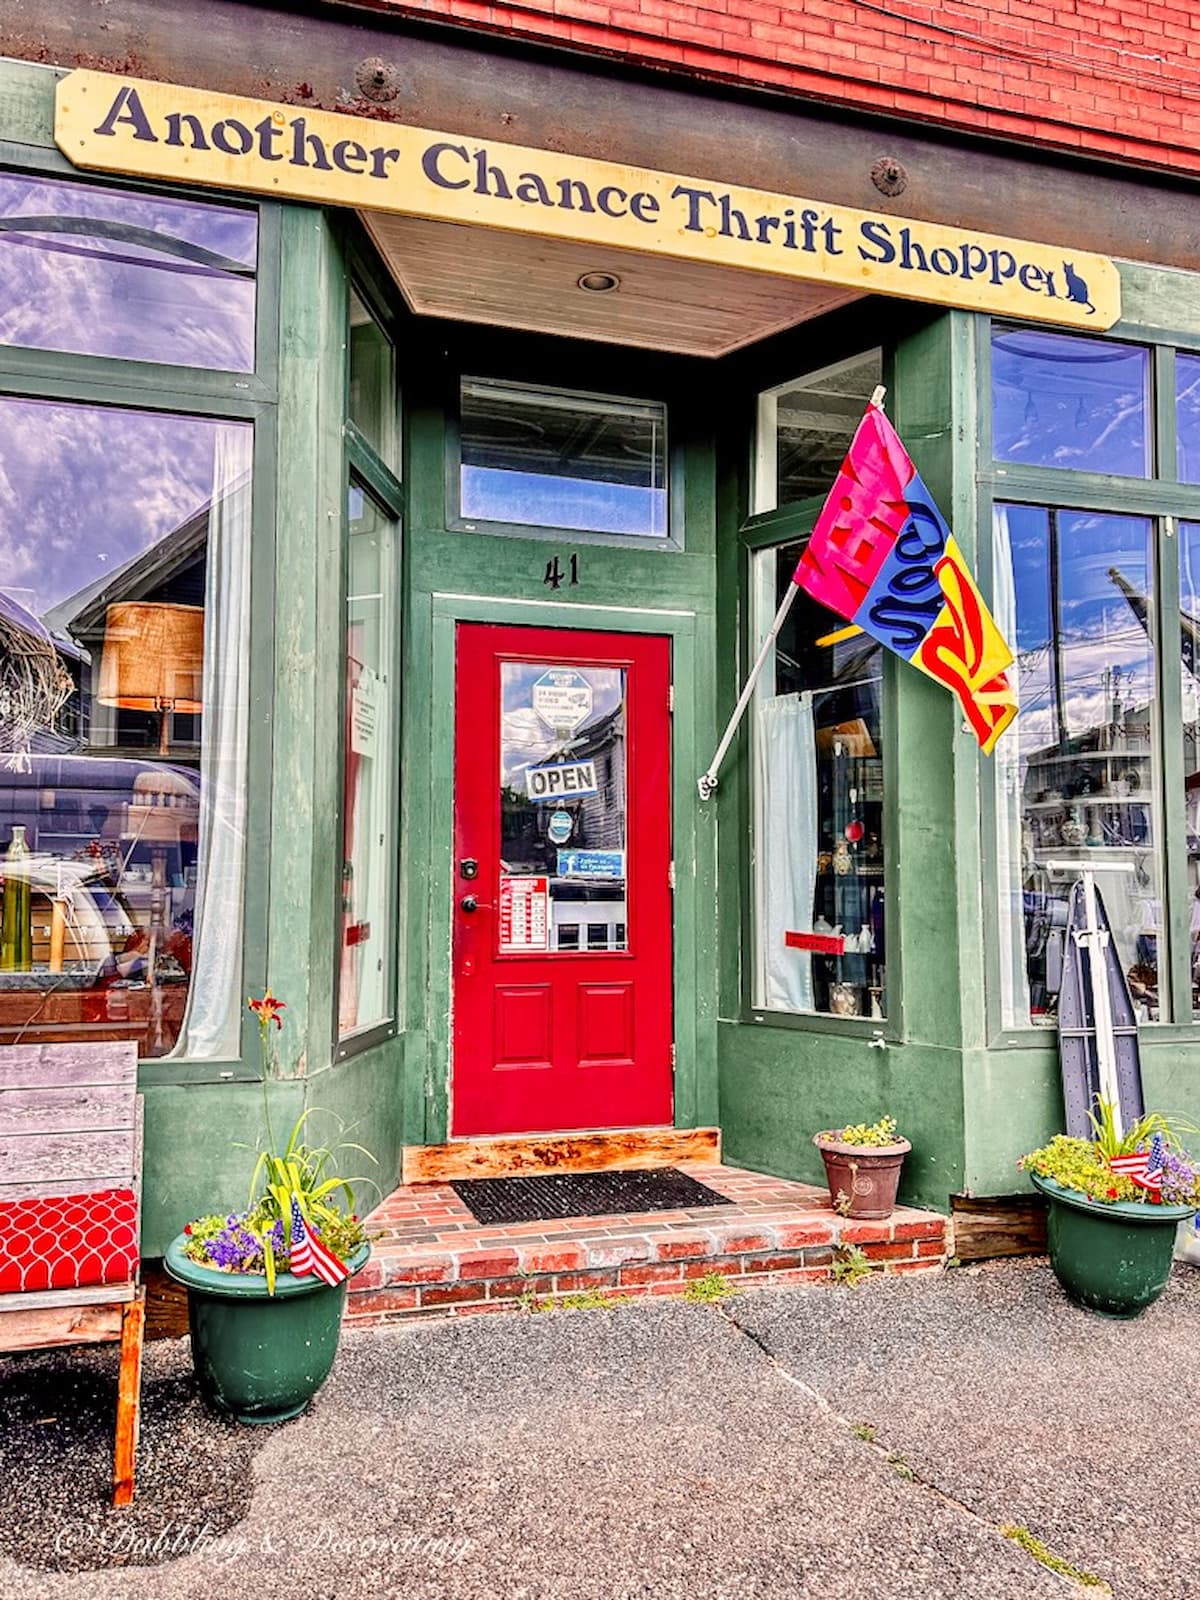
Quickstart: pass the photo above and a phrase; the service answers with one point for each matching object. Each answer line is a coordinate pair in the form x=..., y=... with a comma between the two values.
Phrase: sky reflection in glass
x=555, y=458
x=86, y=489
x=1093, y=573
x=1059, y=401
x=1187, y=417
x=104, y=272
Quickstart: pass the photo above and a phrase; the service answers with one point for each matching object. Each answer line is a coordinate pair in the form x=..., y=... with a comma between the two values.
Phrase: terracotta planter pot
x=868, y=1175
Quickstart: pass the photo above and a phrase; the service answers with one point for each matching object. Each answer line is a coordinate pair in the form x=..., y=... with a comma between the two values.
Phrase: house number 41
x=557, y=574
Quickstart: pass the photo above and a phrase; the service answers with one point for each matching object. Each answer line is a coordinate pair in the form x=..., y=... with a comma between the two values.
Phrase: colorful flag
x=308, y=1254
x=882, y=556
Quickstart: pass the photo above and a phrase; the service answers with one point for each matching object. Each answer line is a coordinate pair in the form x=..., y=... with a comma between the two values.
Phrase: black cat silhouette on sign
x=1077, y=288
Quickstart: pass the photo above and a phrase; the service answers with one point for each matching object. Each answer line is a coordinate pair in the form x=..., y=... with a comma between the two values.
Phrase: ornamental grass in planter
x=267, y=1285
x=1116, y=1202
x=862, y=1166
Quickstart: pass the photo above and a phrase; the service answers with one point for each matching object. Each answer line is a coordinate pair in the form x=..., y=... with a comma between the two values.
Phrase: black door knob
x=468, y=903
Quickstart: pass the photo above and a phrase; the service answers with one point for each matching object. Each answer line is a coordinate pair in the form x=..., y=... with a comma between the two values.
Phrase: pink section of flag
x=309, y=1255
x=861, y=519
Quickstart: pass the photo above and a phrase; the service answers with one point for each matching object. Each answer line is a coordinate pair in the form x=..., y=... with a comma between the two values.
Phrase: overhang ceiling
x=511, y=280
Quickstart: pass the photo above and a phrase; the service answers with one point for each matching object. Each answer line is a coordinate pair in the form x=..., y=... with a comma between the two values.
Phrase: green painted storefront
x=970, y=1094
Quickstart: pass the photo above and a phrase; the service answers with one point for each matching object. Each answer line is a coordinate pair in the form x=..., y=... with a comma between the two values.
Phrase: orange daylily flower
x=267, y=1010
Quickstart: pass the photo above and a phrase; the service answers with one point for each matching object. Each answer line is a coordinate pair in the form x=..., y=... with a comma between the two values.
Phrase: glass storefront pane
x=124, y=644
x=1187, y=417
x=549, y=458
x=106, y=272
x=1061, y=401
x=819, y=810
x=562, y=808
x=1077, y=777
x=1189, y=651
x=368, y=811
x=805, y=428
x=372, y=382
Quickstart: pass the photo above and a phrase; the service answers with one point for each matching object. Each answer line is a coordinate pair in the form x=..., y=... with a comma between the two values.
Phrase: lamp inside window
x=153, y=661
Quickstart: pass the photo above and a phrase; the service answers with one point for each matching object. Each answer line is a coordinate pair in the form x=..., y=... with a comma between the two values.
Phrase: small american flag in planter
x=309, y=1255
x=1143, y=1167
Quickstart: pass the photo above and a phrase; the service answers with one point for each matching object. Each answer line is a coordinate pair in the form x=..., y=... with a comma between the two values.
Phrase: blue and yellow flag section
x=882, y=556
x=154, y=130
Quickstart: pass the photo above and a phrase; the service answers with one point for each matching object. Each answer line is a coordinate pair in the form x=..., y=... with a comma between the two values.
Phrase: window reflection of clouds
x=525, y=739
x=1187, y=416
x=1060, y=401
x=1099, y=629
x=82, y=292
x=84, y=489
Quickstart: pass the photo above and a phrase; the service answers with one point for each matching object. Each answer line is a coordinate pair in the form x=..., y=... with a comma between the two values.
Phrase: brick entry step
x=433, y=1259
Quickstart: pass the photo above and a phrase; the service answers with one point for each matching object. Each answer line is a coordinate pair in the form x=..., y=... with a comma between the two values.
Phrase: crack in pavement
x=1102, y=1591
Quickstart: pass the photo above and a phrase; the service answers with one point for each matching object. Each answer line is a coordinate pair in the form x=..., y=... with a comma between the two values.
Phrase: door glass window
x=550, y=458
x=562, y=808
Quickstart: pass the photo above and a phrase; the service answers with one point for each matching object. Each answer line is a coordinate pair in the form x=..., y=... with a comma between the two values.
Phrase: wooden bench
x=70, y=1212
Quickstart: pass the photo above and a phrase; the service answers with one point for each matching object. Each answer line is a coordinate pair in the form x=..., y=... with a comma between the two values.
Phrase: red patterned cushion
x=68, y=1241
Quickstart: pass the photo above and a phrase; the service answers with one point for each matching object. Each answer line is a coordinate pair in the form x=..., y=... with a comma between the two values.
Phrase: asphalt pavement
x=819, y=1442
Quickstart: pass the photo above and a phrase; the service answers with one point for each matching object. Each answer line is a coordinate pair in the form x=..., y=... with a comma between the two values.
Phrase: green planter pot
x=1113, y=1258
x=260, y=1357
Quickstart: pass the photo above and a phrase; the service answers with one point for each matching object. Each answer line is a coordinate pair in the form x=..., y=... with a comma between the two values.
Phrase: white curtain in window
x=1011, y=868
x=787, y=861
x=212, y=1024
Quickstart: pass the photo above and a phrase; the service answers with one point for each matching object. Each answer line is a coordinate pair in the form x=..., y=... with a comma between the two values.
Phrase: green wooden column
x=305, y=848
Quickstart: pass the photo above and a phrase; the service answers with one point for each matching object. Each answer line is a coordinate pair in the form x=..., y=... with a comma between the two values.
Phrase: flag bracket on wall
x=882, y=557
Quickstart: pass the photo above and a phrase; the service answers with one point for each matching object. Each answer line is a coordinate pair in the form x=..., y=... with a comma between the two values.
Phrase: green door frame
x=695, y=1075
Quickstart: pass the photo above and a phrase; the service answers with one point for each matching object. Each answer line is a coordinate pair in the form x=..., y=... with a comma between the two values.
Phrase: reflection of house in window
x=172, y=573
x=602, y=824
x=590, y=913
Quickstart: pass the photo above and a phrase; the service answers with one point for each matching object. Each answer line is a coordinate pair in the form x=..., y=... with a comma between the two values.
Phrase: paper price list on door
x=524, y=914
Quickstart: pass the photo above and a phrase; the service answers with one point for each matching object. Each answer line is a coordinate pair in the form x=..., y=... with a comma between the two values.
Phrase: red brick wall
x=1119, y=77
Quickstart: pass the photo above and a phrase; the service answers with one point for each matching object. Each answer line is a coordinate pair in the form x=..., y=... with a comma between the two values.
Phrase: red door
x=562, y=900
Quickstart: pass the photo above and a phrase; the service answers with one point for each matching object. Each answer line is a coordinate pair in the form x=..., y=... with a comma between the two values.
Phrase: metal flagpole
x=708, y=783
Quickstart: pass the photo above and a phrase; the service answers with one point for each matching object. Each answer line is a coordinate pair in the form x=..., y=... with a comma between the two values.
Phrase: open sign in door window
x=562, y=804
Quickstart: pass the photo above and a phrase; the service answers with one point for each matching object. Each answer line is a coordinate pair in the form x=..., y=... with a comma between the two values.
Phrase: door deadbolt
x=468, y=867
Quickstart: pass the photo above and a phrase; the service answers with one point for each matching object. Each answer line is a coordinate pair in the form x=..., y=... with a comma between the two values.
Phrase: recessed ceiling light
x=599, y=282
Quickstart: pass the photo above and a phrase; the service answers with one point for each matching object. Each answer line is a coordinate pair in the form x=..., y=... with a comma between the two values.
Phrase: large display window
x=1097, y=585
x=820, y=830
x=124, y=645
x=125, y=570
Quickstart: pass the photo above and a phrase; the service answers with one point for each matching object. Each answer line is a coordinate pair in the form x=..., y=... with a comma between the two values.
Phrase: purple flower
x=1178, y=1179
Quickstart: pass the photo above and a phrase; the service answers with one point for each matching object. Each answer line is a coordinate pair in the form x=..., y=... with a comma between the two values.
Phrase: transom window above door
x=555, y=458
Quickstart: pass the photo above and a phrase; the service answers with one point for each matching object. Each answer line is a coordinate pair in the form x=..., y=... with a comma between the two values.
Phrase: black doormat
x=554, y=1195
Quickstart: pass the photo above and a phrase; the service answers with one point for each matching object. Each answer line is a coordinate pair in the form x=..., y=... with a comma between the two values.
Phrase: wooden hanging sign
x=109, y=123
